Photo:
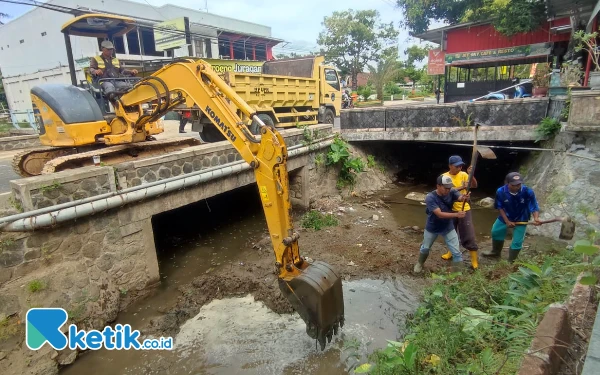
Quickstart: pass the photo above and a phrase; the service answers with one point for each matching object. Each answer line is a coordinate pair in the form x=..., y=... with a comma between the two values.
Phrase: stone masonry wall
x=196, y=158
x=566, y=184
x=96, y=266
x=18, y=142
x=492, y=113
x=62, y=187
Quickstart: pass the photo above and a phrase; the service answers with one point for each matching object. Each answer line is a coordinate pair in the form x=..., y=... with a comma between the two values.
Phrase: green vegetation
x=55, y=185
x=16, y=204
x=339, y=154
x=481, y=323
x=549, y=127
x=351, y=38
x=6, y=244
x=317, y=220
x=9, y=327
x=509, y=17
x=36, y=286
x=556, y=197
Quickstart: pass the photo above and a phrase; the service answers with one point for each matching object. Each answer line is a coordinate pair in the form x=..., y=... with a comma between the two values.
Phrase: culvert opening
x=192, y=239
x=420, y=163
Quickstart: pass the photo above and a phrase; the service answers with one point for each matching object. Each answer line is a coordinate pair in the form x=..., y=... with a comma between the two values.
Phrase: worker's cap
x=456, y=161
x=514, y=178
x=445, y=181
x=107, y=44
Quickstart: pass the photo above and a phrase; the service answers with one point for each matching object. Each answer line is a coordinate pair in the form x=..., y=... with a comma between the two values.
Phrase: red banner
x=437, y=62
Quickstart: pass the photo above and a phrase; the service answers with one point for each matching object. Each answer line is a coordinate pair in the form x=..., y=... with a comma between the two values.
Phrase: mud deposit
x=220, y=299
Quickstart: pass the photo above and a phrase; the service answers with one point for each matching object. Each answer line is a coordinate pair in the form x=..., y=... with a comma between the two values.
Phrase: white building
x=32, y=48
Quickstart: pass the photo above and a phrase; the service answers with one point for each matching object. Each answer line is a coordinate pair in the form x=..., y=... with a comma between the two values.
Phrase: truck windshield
x=331, y=78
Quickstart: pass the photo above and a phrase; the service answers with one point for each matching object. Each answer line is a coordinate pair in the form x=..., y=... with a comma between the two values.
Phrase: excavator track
x=53, y=159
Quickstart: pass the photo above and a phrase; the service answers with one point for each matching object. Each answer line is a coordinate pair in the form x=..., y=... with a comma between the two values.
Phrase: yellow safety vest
x=101, y=65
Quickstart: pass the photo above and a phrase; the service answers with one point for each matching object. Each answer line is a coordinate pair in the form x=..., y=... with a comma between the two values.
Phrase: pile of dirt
x=367, y=243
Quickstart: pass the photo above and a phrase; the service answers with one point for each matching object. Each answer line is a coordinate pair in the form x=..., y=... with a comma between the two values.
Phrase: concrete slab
x=443, y=134
x=592, y=360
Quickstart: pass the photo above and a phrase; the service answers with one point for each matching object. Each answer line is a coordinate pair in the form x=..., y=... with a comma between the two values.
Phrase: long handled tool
x=567, y=227
x=485, y=152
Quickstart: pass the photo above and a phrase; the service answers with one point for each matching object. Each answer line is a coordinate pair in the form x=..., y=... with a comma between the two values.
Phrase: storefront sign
x=540, y=49
x=436, y=64
x=172, y=34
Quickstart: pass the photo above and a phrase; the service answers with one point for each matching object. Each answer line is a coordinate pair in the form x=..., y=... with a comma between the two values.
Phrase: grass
x=9, y=327
x=36, y=285
x=317, y=220
x=479, y=323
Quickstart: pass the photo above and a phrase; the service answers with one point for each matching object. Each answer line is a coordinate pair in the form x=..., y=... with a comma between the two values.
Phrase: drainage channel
x=242, y=335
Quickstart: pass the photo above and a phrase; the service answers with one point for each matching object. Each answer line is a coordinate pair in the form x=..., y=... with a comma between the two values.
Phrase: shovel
x=567, y=227
x=485, y=152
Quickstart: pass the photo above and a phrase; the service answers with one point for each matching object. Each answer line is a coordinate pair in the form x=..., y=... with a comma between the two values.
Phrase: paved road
x=6, y=171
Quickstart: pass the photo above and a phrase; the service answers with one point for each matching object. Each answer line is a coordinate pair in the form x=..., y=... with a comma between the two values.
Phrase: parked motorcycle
x=347, y=102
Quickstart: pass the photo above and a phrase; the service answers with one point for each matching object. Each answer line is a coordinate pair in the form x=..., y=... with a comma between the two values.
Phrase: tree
x=384, y=72
x=415, y=54
x=293, y=55
x=3, y=15
x=353, y=38
x=509, y=17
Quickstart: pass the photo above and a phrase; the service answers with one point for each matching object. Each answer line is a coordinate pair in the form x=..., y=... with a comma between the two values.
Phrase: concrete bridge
x=501, y=120
x=90, y=229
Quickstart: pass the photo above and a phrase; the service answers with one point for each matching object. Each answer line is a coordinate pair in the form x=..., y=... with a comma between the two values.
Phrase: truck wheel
x=329, y=117
x=211, y=134
x=268, y=120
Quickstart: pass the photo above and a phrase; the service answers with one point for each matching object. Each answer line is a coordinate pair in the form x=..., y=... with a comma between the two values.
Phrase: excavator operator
x=106, y=65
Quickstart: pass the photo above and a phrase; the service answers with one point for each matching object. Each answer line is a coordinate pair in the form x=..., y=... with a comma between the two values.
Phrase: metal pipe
x=589, y=59
x=113, y=193
x=46, y=218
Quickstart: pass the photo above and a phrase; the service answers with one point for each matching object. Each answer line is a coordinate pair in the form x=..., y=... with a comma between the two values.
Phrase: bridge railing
x=529, y=111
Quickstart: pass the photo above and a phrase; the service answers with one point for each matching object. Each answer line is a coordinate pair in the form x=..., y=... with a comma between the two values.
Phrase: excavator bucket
x=318, y=297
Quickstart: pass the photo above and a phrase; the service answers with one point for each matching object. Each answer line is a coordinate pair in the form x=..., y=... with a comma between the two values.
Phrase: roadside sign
x=436, y=64
x=172, y=34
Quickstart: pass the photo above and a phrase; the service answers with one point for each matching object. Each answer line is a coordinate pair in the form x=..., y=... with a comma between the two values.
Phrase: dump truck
x=286, y=93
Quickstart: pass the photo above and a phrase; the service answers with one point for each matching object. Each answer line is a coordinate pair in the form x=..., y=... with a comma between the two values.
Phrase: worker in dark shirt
x=106, y=65
x=440, y=221
x=515, y=203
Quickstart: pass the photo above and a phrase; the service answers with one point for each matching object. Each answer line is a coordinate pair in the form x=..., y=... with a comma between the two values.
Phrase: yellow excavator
x=85, y=124
x=314, y=290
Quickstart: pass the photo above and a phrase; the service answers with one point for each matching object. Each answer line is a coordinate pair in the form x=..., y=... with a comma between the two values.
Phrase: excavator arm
x=314, y=290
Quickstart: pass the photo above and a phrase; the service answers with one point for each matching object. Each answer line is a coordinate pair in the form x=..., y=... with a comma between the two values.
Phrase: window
x=148, y=44
x=43, y=33
x=331, y=78
x=117, y=42
x=133, y=43
x=208, y=47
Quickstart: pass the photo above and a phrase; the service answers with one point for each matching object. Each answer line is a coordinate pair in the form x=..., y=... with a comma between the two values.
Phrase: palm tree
x=385, y=71
x=3, y=15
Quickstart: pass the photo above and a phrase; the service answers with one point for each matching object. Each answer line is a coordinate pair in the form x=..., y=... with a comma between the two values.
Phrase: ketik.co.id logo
x=43, y=325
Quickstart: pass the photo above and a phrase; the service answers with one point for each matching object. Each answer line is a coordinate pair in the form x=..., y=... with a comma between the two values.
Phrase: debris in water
x=486, y=202
x=351, y=263
x=375, y=217
x=414, y=196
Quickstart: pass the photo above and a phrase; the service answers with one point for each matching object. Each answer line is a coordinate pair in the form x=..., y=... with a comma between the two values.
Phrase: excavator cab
x=99, y=26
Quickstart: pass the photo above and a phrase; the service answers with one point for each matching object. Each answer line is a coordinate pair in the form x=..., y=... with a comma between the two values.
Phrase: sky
x=298, y=23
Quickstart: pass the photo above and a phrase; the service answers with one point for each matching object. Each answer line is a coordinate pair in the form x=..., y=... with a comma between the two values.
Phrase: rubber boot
x=474, y=262
x=419, y=266
x=447, y=256
x=496, y=249
x=512, y=255
x=456, y=266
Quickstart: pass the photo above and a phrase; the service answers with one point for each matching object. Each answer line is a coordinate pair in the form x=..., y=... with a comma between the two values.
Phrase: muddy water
x=239, y=335
x=410, y=213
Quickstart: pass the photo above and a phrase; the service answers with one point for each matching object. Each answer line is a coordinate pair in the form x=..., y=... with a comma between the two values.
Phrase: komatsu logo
x=217, y=121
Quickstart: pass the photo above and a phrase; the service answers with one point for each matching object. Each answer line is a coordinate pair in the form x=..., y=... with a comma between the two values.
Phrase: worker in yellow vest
x=108, y=66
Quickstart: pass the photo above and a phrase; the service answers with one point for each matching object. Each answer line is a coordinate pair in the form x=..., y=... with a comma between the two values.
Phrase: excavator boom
x=314, y=290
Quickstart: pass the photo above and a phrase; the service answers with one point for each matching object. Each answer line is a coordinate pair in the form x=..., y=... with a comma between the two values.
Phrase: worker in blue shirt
x=516, y=203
